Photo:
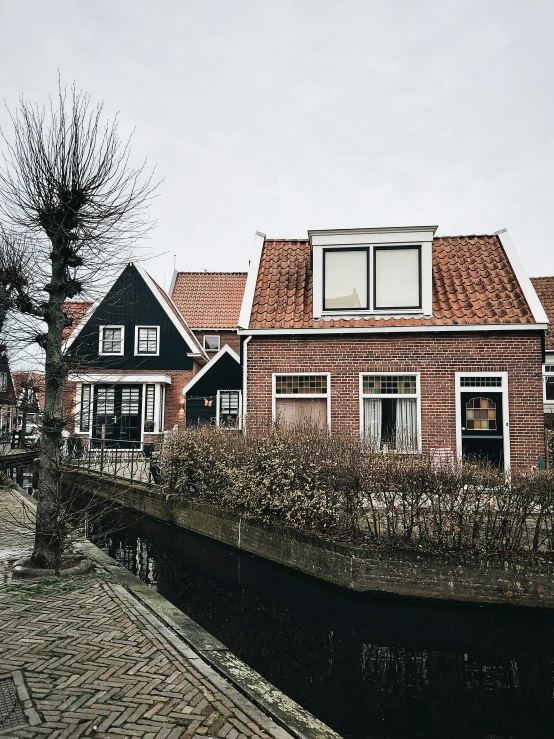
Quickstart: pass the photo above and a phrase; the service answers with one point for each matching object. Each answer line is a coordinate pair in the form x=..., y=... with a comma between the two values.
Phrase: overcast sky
x=284, y=116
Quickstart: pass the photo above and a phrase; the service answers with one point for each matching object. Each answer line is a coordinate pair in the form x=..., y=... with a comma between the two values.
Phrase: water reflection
x=367, y=667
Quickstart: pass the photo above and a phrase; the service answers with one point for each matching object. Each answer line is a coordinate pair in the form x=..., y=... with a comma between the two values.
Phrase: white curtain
x=373, y=415
x=406, y=425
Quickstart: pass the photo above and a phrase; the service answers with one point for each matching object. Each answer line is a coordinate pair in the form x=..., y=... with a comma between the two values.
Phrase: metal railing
x=135, y=465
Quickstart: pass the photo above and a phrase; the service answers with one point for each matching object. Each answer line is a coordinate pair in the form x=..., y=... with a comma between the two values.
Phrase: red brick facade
x=225, y=337
x=437, y=356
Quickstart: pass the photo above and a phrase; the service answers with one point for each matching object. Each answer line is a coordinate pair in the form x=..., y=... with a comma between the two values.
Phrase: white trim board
x=525, y=283
x=225, y=349
x=106, y=378
x=251, y=280
x=393, y=329
x=505, y=409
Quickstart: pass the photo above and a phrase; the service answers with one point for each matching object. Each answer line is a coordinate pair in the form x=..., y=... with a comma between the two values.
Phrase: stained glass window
x=301, y=384
x=389, y=385
x=480, y=415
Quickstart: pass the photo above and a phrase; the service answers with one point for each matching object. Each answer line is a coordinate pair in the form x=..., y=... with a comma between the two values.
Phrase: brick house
x=29, y=392
x=211, y=303
x=419, y=343
x=133, y=352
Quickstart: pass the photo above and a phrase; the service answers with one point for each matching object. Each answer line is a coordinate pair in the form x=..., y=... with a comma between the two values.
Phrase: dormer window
x=397, y=277
x=346, y=279
x=372, y=271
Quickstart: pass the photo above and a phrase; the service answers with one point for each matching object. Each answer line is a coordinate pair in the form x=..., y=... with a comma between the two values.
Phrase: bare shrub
x=338, y=487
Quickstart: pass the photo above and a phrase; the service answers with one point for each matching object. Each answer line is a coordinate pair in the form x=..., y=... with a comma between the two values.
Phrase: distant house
x=210, y=302
x=418, y=343
x=133, y=352
x=29, y=393
x=8, y=400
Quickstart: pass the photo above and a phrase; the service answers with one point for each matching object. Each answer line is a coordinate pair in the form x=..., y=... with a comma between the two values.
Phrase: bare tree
x=67, y=183
x=16, y=258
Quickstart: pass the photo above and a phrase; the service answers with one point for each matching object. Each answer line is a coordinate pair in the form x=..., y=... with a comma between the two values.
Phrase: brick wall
x=436, y=356
x=226, y=337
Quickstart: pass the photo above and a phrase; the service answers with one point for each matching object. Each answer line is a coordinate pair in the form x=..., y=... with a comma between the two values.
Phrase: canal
x=368, y=667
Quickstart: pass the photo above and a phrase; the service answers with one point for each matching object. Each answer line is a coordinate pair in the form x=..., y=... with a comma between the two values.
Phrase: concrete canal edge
x=265, y=696
x=443, y=577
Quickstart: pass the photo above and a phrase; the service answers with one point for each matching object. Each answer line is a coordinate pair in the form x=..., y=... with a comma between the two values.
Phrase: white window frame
x=229, y=428
x=210, y=336
x=505, y=409
x=101, y=341
x=147, y=354
x=275, y=395
x=394, y=396
x=421, y=236
x=79, y=409
x=548, y=403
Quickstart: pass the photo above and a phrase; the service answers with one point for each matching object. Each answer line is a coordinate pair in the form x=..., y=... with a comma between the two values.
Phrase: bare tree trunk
x=49, y=536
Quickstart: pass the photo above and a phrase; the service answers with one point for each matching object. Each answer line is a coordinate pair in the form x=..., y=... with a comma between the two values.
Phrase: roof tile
x=544, y=287
x=209, y=299
x=473, y=283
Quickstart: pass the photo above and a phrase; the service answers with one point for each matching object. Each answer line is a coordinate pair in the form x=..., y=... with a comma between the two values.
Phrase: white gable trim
x=524, y=282
x=172, y=284
x=189, y=339
x=207, y=367
x=251, y=280
x=106, y=378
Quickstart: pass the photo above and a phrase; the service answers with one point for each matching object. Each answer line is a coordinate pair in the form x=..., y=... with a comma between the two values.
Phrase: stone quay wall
x=452, y=577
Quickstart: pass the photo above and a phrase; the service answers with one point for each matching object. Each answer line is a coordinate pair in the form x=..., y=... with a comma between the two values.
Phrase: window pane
x=211, y=343
x=130, y=397
x=147, y=340
x=301, y=410
x=229, y=402
x=111, y=341
x=397, y=278
x=149, y=409
x=346, y=279
x=390, y=424
x=301, y=384
x=85, y=408
x=389, y=385
x=550, y=388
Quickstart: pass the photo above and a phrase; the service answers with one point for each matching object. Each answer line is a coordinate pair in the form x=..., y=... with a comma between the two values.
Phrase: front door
x=117, y=415
x=482, y=427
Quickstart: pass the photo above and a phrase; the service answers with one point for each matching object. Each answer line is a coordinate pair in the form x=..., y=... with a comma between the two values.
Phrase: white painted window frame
x=421, y=236
x=394, y=396
x=228, y=428
x=211, y=336
x=548, y=403
x=101, y=337
x=275, y=395
x=79, y=409
x=504, y=389
x=147, y=354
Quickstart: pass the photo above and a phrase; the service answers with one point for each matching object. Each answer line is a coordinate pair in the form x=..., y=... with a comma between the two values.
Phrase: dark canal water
x=367, y=667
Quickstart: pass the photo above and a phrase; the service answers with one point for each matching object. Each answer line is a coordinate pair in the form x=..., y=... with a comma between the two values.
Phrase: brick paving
x=89, y=660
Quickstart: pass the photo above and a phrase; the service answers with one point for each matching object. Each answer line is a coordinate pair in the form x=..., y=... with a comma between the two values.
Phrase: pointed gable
x=134, y=300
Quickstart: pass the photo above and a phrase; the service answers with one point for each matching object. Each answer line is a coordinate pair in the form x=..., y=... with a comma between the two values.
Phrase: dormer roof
x=475, y=282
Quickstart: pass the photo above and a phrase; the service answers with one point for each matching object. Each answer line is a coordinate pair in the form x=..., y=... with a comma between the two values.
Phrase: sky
x=281, y=116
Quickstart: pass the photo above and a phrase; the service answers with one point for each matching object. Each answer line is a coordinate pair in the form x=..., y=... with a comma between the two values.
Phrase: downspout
x=244, y=380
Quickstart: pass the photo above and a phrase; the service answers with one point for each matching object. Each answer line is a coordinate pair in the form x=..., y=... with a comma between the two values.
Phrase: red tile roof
x=473, y=283
x=544, y=287
x=74, y=309
x=209, y=299
x=179, y=317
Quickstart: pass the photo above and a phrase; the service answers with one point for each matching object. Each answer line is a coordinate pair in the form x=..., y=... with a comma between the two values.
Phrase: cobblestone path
x=89, y=660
